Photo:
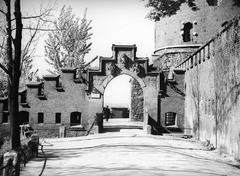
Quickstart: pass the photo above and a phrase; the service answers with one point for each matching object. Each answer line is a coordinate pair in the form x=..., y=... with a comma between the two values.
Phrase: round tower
x=179, y=35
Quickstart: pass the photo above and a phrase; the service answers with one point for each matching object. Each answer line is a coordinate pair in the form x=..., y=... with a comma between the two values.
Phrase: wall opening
x=212, y=2
x=40, y=117
x=5, y=117
x=23, y=117
x=124, y=96
x=75, y=118
x=58, y=117
x=187, y=32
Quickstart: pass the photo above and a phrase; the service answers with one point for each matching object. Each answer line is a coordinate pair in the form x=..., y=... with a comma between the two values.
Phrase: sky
x=118, y=92
x=113, y=22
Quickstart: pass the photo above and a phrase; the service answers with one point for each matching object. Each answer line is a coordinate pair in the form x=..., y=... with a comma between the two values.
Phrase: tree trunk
x=16, y=73
x=12, y=108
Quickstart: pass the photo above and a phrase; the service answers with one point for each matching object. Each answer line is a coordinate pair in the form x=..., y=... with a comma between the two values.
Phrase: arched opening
x=187, y=32
x=75, y=118
x=23, y=117
x=123, y=95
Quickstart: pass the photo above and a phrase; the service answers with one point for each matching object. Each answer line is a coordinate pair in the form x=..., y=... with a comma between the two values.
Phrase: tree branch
x=3, y=12
x=4, y=69
x=90, y=61
x=39, y=29
x=2, y=47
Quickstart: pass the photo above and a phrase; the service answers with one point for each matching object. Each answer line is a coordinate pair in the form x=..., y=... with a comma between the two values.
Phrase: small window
x=212, y=2
x=58, y=117
x=24, y=97
x=41, y=90
x=24, y=117
x=75, y=118
x=40, y=117
x=5, y=117
x=5, y=105
x=187, y=32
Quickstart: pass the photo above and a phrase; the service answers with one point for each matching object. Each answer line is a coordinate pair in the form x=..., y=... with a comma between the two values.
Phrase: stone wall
x=137, y=101
x=71, y=98
x=206, y=22
x=212, y=91
x=173, y=99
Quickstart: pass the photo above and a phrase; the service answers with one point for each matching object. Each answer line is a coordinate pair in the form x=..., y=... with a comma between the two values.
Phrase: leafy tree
x=163, y=8
x=67, y=44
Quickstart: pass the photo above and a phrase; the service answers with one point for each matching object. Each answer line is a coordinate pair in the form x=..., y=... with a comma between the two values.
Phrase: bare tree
x=17, y=58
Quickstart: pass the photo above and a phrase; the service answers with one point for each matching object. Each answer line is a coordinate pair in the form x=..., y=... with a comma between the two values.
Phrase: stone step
x=123, y=126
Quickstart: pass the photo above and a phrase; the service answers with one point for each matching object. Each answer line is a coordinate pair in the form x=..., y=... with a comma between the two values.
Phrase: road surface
x=128, y=153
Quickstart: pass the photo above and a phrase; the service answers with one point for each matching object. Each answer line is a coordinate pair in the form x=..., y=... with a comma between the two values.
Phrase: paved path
x=128, y=153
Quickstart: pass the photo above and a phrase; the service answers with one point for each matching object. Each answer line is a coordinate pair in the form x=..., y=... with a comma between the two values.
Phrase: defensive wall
x=212, y=82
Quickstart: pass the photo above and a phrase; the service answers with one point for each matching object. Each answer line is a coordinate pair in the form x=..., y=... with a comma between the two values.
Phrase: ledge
x=60, y=89
x=68, y=70
x=25, y=105
x=124, y=46
x=34, y=84
x=77, y=128
x=153, y=73
x=2, y=99
x=179, y=70
x=51, y=77
x=42, y=97
x=78, y=80
x=178, y=47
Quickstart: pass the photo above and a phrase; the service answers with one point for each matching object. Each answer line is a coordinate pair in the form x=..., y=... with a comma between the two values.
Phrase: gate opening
x=124, y=97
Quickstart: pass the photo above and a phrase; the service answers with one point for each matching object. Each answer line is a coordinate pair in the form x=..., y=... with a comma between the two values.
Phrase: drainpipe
x=198, y=99
x=216, y=121
x=159, y=109
x=159, y=96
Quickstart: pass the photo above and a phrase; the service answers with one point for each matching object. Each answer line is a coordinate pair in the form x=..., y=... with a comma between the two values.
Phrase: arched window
x=23, y=117
x=187, y=32
x=75, y=118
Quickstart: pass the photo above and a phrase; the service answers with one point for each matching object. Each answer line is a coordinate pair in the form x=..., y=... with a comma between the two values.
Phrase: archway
x=124, y=96
x=124, y=61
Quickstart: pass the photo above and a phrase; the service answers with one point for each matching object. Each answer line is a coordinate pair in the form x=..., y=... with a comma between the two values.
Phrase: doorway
x=124, y=97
